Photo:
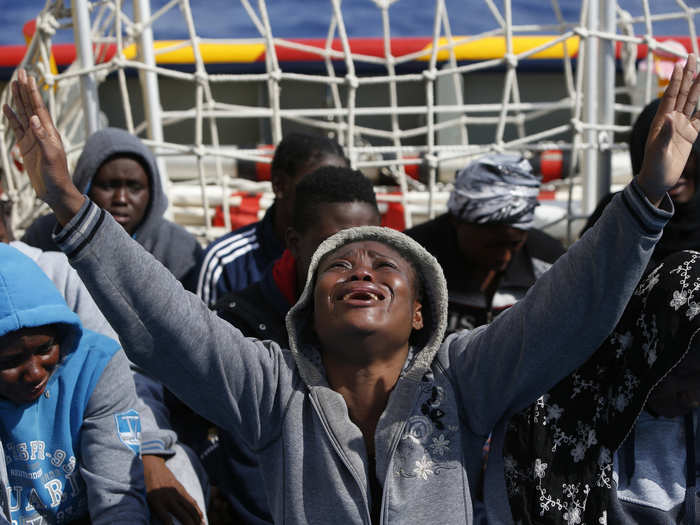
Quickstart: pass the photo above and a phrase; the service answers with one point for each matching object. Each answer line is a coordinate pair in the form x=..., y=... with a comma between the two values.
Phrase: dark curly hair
x=298, y=150
x=329, y=184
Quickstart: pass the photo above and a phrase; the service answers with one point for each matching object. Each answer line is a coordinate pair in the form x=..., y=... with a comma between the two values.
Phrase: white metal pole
x=607, y=99
x=149, y=84
x=590, y=110
x=88, y=85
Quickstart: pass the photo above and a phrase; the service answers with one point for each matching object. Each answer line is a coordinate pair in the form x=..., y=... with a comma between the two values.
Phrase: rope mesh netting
x=391, y=103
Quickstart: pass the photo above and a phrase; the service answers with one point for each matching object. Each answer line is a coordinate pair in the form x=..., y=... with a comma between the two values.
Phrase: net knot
x=352, y=81
x=47, y=24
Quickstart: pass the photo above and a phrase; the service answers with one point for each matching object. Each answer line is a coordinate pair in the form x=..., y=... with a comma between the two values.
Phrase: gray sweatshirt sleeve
x=170, y=333
x=110, y=464
x=156, y=439
x=501, y=368
x=157, y=435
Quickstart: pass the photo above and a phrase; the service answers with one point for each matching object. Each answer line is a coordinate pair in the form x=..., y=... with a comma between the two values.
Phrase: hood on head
x=108, y=143
x=299, y=317
x=29, y=299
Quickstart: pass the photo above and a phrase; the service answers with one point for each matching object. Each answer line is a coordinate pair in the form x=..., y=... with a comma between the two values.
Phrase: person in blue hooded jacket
x=69, y=429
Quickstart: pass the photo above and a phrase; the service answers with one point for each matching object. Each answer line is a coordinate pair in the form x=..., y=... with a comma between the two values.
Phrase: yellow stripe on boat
x=212, y=53
x=495, y=47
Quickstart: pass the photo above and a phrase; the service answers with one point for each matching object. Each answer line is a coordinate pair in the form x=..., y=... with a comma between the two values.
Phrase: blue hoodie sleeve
x=110, y=461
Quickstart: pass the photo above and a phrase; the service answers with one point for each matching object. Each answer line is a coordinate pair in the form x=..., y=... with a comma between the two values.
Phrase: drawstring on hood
x=434, y=300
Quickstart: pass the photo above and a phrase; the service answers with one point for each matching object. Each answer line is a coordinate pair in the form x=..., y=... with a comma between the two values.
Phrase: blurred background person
x=485, y=243
x=683, y=230
x=240, y=258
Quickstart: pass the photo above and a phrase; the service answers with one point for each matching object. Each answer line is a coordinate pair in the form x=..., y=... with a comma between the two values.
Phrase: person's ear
x=417, y=322
x=279, y=184
x=292, y=239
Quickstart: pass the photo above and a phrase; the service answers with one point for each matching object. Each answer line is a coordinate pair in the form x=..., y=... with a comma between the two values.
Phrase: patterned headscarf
x=558, y=452
x=496, y=189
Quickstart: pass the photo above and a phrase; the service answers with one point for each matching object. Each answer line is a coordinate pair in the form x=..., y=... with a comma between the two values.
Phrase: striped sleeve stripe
x=153, y=445
x=80, y=229
x=224, y=246
x=89, y=236
x=211, y=265
x=218, y=270
x=69, y=229
x=239, y=252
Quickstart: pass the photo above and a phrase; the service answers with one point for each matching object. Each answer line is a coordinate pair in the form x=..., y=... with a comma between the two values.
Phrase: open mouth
x=680, y=184
x=120, y=218
x=35, y=391
x=361, y=295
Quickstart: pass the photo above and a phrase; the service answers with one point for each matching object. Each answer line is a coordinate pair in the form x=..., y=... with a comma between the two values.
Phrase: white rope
x=348, y=115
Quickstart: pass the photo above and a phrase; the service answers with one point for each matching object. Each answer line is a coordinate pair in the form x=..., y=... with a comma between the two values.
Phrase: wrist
x=651, y=191
x=67, y=205
x=151, y=459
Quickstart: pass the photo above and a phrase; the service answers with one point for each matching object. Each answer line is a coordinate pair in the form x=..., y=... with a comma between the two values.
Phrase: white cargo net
x=437, y=69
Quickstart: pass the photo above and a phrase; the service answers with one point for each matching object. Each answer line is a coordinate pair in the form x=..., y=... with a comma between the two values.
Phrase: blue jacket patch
x=129, y=429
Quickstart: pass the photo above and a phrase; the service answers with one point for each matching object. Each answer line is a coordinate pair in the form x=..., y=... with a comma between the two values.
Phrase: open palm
x=41, y=148
x=672, y=134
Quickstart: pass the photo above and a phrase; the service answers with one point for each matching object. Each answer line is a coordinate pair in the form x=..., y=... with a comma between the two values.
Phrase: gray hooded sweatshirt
x=171, y=244
x=449, y=398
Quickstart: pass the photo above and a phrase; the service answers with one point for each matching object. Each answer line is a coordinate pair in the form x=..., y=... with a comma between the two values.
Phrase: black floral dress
x=559, y=451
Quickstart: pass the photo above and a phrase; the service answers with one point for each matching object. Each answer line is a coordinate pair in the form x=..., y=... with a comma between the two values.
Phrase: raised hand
x=672, y=134
x=42, y=149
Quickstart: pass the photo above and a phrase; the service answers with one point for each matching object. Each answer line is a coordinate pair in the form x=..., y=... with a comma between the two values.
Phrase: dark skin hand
x=166, y=496
x=672, y=133
x=42, y=149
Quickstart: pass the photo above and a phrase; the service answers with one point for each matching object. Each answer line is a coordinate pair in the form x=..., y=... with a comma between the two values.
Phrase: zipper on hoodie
x=339, y=450
x=389, y=456
x=392, y=450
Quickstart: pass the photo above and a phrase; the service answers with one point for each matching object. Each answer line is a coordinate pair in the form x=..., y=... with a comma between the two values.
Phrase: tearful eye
x=338, y=264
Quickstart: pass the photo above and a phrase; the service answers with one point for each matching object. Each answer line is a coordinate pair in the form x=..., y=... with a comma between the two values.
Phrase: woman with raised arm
x=368, y=417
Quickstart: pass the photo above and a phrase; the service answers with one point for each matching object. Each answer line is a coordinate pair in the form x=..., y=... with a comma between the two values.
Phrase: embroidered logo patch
x=129, y=429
